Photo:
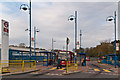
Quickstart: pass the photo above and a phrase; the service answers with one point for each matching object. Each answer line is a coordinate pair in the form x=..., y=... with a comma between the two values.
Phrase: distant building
x=22, y=45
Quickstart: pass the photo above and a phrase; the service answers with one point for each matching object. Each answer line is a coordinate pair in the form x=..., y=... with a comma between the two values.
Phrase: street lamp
x=27, y=30
x=25, y=7
x=52, y=44
x=35, y=30
x=80, y=40
x=71, y=18
x=110, y=18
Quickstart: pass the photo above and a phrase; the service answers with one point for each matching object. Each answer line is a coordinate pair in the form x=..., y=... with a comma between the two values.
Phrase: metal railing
x=72, y=66
x=17, y=65
x=111, y=62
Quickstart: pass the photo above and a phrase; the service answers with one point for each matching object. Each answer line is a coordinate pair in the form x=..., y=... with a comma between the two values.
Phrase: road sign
x=5, y=27
x=78, y=46
x=67, y=41
x=32, y=42
x=117, y=46
x=5, y=42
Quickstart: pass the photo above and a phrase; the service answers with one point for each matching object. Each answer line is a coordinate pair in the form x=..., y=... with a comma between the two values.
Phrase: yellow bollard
x=23, y=66
x=35, y=64
x=77, y=65
x=0, y=67
x=67, y=67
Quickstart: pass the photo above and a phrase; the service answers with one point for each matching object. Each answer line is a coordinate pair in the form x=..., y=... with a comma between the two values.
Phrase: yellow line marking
x=106, y=70
x=62, y=69
x=53, y=68
x=96, y=70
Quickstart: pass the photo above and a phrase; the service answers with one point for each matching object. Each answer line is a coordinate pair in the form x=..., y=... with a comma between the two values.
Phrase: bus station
x=20, y=59
x=82, y=59
x=59, y=50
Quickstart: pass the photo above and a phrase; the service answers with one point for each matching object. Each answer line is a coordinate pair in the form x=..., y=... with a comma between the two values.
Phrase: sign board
x=75, y=53
x=78, y=45
x=67, y=41
x=5, y=43
x=32, y=42
x=117, y=46
x=64, y=52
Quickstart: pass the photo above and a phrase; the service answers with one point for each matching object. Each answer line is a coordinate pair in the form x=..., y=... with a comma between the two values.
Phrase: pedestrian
x=59, y=64
x=82, y=61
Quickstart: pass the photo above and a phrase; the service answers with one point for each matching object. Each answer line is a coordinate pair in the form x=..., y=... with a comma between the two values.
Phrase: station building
x=22, y=53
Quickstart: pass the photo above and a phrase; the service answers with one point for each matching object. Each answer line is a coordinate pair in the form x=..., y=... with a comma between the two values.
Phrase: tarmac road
x=101, y=74
x=74, y=75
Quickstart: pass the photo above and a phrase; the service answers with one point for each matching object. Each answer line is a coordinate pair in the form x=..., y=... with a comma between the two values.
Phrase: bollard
x=0, y=67
x=23, y=66
x=67, y=67
x=35, y=64
x=76, y=65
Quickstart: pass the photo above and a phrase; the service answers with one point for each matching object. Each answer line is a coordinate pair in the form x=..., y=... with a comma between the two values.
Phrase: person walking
x=59, y=64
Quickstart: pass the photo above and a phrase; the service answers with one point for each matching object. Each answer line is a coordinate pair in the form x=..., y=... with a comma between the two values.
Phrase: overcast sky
x=51, y=18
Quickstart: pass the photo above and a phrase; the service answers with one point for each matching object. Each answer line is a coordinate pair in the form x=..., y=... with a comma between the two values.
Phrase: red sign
x=5, y=26
x=117, y=44
x=78, y=43
x=5, y=30
x=32, y=39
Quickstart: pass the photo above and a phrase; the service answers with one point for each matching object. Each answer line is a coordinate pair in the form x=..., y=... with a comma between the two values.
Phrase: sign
x=32, y=39
x=5, y=42
x=64, y=52
x=5, y=26
x=117, y=46
x=67, y=41
x=32, y=42
x=78, y=45
x=75, y=53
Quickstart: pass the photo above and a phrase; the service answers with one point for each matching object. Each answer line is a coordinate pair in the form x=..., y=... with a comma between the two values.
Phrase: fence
x=111, y=62
x=72, y=66
x=17, y=65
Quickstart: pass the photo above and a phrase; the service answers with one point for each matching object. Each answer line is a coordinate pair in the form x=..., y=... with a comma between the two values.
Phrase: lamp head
x=26, y=29
x=37, y=31
x=110, y=19
x=71, y=19
x=24, y=8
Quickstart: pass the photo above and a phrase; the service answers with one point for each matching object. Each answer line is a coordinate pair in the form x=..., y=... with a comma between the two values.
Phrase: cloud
x=60, y=0
x=52, y=21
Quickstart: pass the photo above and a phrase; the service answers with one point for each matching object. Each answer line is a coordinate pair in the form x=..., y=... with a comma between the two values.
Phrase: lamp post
x=26, y=7
x=80, y=40
x=35, y=30
x=110, y=18
x=71, y=18
x=52, y=44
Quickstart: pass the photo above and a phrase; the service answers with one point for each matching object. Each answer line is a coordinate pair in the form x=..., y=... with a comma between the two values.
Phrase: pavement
x=51, y=70
x=108, y=69
x=38, y=68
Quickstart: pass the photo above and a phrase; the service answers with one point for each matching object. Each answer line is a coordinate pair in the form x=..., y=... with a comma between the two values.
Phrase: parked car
x=87, y=58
